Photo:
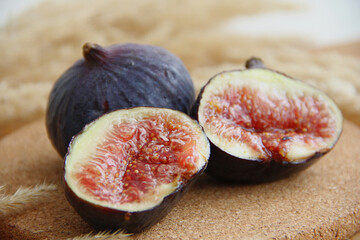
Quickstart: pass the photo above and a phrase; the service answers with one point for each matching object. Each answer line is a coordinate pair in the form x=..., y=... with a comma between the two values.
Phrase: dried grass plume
x=106, y=235
x=34, y=55
x=24, y=197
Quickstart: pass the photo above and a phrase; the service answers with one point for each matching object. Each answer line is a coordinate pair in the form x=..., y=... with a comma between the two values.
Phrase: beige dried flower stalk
x=24, y=197
x=119, y=234
x=28, y=73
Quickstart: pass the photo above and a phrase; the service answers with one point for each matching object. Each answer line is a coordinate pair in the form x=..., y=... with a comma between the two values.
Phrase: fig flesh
x=115, y=77
x=264, y=125
x=128, y=168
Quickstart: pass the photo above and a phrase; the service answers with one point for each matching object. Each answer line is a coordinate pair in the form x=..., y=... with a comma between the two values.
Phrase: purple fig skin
x=115, y=77
x=225, y=166
x=132, y=222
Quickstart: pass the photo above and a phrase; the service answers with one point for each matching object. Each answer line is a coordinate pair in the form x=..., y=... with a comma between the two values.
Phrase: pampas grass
x=39, y=45
x=24, y=197
x=106, y=235
x=193, y=30
x=30, y=196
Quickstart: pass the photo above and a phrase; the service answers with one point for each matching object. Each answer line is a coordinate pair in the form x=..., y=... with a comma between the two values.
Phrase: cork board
x=323, y=202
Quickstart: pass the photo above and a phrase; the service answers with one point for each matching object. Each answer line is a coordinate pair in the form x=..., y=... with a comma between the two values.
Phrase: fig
x=264, y=125
x=115, y=77
x=128, y=168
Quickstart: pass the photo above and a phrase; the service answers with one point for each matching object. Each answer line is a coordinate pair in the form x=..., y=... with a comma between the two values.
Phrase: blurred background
x=326, y=22
x=316, y=41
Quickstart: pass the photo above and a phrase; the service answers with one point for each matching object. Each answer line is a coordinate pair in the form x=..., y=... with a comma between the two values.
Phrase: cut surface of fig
x=264, y=116
x=131, y=160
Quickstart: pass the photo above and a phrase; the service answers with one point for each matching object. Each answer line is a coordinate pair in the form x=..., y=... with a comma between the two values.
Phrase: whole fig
x=115, y=77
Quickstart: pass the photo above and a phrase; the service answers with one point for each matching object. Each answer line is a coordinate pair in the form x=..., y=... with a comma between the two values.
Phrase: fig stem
x=94, y=53
x=254, y=62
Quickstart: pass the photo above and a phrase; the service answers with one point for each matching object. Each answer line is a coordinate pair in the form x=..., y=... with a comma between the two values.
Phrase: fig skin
x=105, y=218
x=227, y=167
x=102, y=218
x=115, y=77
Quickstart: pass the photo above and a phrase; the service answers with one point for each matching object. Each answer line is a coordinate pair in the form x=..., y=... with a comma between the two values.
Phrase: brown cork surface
x=323, y=202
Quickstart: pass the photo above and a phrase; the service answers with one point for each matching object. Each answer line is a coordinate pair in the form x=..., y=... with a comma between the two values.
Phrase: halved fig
x=129, y=167
x=264, y=125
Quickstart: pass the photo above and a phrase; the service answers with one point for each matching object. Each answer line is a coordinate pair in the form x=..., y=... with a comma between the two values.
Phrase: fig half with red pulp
x=264, y=125
x=128, y=168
